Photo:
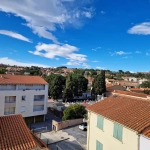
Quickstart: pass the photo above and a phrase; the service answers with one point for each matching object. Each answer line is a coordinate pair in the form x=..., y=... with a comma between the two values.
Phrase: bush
x=75, y=111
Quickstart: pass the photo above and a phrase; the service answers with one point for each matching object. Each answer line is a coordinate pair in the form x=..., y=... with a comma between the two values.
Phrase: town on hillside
x=83, y=109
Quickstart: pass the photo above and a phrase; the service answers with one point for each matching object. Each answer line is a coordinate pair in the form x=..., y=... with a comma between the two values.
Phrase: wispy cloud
x=138, y=52
x=102, y=12
x=46, y=16
x=119, y=53
x=66, y=51
x=95, y=49
x=101, y=68
x=6, y=60
x=147, y=54
x=143, y=28
x=15, y=35
x=95, y=61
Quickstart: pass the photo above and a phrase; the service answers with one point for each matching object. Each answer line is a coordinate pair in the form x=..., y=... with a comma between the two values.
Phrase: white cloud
x=14, y=35
x=95, y=61
x=143, y=28
x=72, y=63
x=6, y=60
x=101, y=68
x=120, y=53
x=95, y=49
x=137, y=52
x=66, y=51
x=57, y=58
x=86, y=65
x=43, y=17
x=147, y=54
x=102, y=12
x=87, y=14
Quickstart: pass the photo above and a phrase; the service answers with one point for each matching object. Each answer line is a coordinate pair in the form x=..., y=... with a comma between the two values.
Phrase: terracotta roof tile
x=128, y=111
x=21, y=79
x=131, y=93
x=15, y=135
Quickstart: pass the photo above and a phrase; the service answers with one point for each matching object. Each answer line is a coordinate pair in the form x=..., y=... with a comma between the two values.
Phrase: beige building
x=119, y=123
x=26, y=95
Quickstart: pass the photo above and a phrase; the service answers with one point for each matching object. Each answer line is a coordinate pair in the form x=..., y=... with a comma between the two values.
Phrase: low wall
x=64, y=124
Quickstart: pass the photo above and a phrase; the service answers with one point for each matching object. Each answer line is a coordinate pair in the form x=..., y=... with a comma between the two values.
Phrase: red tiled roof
x=130, y=112
x=131, y=93
x=15, y=135
x=136, y=89
x=21, y=79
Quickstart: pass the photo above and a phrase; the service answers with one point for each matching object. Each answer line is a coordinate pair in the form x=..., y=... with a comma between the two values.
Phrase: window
x=38, y=108
x=100, y=122
x=118, y=131
x=99, y=145
x=22, y=109
x=23, y=98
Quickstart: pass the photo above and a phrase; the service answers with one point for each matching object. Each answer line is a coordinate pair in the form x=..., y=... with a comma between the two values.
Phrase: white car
x=83, y=126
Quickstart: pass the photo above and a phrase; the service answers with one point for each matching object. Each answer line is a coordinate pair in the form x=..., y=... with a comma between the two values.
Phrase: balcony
x=9, y=113
x=8, y=105
x=38, y=108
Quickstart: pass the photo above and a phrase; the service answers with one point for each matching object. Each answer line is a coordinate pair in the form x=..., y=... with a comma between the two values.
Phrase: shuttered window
x=118, y=130
x=99, y=145
x=100, y=122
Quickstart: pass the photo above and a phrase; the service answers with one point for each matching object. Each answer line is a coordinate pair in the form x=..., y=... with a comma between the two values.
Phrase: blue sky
x=102, y=34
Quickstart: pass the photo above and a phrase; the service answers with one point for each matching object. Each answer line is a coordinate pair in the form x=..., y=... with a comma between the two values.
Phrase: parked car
x=83, y=126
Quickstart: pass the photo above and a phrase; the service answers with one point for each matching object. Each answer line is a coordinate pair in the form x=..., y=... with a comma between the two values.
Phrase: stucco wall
x=67, y=123
x=28, y=103
x=144, y=143
x=130, y=138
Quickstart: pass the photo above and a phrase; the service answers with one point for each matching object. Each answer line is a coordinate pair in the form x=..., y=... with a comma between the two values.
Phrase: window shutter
x=100, y=122
x=119, y=132
x=99, y=146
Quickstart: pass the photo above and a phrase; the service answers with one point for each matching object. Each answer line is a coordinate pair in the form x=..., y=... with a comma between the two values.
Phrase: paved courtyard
x=67, y=139
x=40, y=127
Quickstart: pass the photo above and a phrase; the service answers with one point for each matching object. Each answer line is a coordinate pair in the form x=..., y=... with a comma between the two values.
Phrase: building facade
x=119, y=123
x=25, y=95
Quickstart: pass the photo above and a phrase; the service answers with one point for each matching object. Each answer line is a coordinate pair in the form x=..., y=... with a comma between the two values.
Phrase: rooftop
x=15, y=135
x=21, y=79
x=131, y=93
x=131, y=112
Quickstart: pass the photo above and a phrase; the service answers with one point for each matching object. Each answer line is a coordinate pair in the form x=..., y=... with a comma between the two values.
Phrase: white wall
x=144, y=143
x=28, y=103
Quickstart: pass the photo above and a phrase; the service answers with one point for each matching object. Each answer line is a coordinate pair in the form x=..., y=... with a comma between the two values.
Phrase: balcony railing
x=9, y=113
x=10, y=101
x=38, y=99
x=38, y=109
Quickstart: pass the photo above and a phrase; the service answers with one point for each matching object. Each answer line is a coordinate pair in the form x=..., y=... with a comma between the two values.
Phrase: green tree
x=2, y=71
x=56, y=85
x=75, y=111
x=145, y=84
x=99, y=85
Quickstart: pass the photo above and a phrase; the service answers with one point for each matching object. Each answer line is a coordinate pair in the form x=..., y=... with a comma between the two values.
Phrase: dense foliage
x=2, y=70
x=99, y=85
x=56, y=85
x=75, y=111
x=145, y=84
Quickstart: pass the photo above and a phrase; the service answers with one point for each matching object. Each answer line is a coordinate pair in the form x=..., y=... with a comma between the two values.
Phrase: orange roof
x=131, y=93
x=136, y=89
x=21, y=79
x=130, y=112
x=15, y=135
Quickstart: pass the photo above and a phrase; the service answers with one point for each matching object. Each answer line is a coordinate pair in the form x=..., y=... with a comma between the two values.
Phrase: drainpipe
x=138, y=141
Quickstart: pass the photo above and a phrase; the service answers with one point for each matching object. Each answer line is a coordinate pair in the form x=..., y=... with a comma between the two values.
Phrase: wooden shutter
x=100, y=122
x=99, y=146
x=117, y=133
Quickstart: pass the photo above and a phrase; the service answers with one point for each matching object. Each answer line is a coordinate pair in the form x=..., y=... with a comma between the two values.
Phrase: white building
x=26, y=95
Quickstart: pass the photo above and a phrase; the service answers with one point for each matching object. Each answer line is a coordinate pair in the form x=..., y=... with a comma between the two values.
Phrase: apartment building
x=26, y=95
x=119, y=122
